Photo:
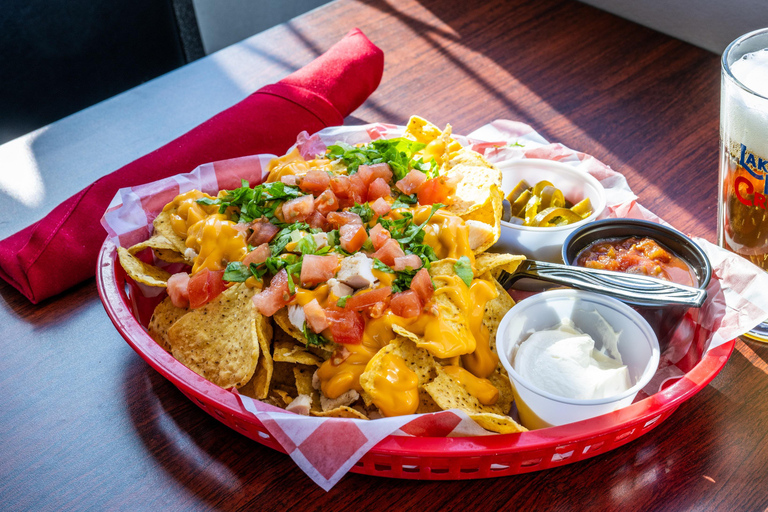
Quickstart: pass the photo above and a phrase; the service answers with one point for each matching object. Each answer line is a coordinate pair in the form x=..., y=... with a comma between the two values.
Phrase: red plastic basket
x=426, y=458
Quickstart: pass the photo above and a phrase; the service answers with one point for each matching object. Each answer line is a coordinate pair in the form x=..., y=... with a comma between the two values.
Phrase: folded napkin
x=60, y=250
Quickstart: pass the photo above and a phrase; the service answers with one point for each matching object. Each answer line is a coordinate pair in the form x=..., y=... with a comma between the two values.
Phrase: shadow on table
x=215, y=463
x=623, y=76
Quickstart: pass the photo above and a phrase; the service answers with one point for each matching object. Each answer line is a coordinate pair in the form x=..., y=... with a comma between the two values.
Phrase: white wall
x=224, y=22
x=710, y=24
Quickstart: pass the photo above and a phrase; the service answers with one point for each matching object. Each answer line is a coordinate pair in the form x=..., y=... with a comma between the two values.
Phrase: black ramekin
x=664, y=320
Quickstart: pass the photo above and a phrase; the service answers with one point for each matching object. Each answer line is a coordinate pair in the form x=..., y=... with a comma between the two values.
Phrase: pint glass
x=743, y=193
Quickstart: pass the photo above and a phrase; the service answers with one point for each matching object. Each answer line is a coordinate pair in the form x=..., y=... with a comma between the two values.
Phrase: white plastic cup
x=637, y=345
x=545, y=244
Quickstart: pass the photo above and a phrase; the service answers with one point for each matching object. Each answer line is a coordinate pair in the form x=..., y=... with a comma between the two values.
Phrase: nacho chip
x=164, y=316
x=219, y=341
x=303, y=375
x=421, y=130
x=162, y=247
x=495, y=310
x=283, y=378
x=416, y=359
x=340, y=412
x=493, y=262
x=140, y=271
x=281, y=319
x=258, y=386
x=164, y=228
x=497, y=423
x=448, y=393
x=480, y=181
x=290, y=352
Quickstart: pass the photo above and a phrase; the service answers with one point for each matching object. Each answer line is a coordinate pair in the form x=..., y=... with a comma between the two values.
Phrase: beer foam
x=747, y=114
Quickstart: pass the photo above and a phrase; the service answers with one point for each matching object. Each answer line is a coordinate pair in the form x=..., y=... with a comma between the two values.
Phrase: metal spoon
x=636, y=289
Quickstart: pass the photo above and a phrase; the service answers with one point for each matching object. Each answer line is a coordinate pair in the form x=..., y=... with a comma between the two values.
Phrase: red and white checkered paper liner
x=326, y=448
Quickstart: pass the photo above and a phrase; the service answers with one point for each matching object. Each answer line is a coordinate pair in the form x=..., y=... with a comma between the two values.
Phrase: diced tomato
x=369, y=173
x=338, y=219
x=318, y=220
x=378, y=189
x=411, y=182
x=289, y=179
x=318, y=269
x=406, y=304
x=380, y=207
x=275, y=296
x=352, y=237
x=327, y=202
x=422, y=285
x=346, y=326
x=437, y=190
x=389, y=251
x=340, y=186
x=408, y=261
x=315, y=182
x=258, y=255
x=177, y=289
x=379, y=235
x=298, y=209
x=358, y=189
x=363, y=300
x=263, y=232
x=315, y=316
x=205, y=286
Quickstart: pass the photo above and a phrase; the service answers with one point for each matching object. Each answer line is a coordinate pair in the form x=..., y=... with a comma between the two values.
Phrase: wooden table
x=86, y=424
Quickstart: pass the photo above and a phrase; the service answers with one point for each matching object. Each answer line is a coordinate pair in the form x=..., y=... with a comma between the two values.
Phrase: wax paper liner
x=326, y=448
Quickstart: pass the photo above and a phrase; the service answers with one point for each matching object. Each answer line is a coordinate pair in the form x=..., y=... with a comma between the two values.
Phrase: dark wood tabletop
x=85, y=424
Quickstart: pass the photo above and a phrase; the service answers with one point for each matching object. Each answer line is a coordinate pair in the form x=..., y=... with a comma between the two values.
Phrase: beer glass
x=743, y=193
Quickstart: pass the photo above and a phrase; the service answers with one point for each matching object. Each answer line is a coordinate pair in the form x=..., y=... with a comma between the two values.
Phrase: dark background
x=60, y=56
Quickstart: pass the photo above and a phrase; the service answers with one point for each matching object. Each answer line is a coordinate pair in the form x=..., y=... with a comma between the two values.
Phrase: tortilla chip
x=163, y=227
x=162, y=247
x=258, y=386
x=281, y=319
x=164, y=316
x=340, y=412
x=495, y=310
x=421, y=130
x=156, y=241
x=493, y=262
x=479, y=180
x=448, y=393
x=416, y=359
x=140, y=271
x=283, y=378
x=290, y=352
x=219, y=341
x=303, y=375
x=498, y=423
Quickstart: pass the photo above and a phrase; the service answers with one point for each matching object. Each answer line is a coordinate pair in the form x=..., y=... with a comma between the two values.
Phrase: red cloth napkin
x=60, y=250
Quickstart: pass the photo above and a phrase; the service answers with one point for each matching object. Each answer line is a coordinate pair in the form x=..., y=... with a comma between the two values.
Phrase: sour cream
x=563, y=361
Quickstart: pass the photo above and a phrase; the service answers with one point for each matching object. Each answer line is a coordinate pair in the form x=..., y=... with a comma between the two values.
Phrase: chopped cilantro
x=364, y=210
x=381, y=266
x=306, y=245
x=342, y=302
x=255, y=203
x=404, y=201
x=236, y=272
x=463, y=269
x=312, y=337
x=395, y=152
x=416, y=233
